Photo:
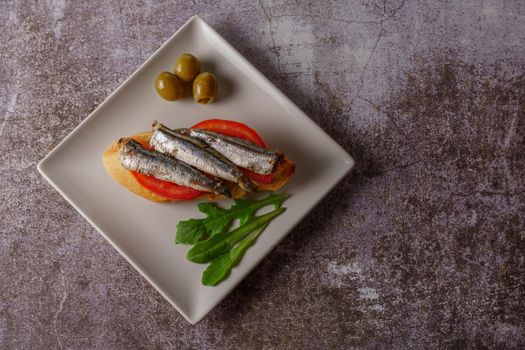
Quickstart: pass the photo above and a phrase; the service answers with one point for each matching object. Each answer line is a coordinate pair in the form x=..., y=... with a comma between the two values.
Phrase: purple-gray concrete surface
x=423, y=247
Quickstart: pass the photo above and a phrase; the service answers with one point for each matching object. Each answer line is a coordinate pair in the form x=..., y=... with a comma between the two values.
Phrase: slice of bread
x=282, y=173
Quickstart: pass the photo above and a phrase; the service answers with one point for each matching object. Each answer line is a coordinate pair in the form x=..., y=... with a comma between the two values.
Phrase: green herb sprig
x=212, y=241
x=218, y=219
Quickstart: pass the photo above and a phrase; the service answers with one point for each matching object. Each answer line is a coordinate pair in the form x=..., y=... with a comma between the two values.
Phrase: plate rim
x=41, y=166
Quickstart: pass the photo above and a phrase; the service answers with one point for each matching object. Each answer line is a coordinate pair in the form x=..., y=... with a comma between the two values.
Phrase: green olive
x=204, y=88
x=168, y=86
x=187, y=67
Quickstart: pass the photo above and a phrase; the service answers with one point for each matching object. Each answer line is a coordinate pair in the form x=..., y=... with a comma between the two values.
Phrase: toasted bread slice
x=282, y=173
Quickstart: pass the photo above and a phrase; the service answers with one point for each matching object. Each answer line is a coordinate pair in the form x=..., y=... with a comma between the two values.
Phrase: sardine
x=135, y=157
x=197, y=154
x=240, y=152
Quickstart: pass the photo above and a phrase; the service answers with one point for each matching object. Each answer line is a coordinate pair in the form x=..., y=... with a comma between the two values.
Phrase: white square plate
x=142, y=231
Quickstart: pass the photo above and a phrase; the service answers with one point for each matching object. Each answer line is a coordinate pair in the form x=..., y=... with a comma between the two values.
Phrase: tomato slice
x=165, y=188
x=260, y=178
x=240, y=130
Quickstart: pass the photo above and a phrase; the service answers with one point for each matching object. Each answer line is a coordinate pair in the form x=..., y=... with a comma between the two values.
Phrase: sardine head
x=156, y=125
x=127, y=144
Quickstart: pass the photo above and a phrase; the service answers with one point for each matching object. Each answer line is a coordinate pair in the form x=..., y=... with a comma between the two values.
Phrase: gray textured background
x=423, y=247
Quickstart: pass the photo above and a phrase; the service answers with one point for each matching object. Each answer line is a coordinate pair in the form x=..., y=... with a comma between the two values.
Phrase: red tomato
x=226, y=127
x=240, y=130
x=260, y=178
x=165, y=188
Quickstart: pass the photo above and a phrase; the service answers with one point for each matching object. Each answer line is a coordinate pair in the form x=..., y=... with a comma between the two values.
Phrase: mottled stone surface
x=422, y=247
